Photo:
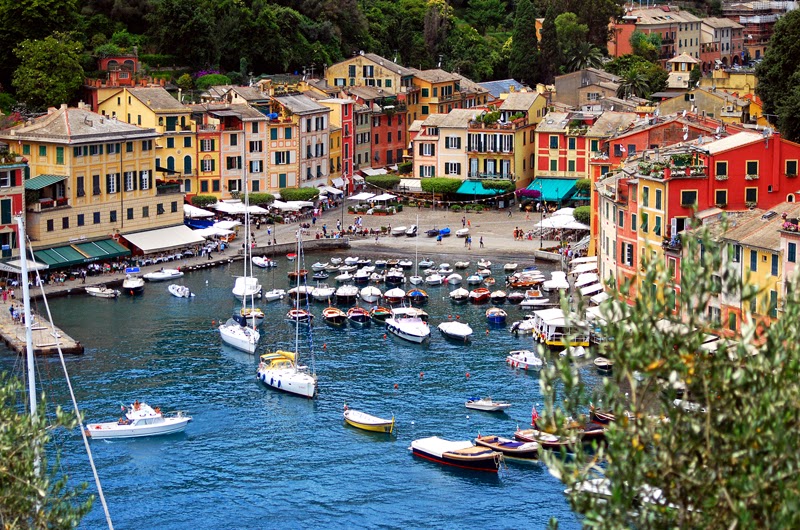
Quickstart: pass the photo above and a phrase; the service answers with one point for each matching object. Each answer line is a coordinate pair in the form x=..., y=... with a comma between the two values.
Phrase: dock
x=46, y=339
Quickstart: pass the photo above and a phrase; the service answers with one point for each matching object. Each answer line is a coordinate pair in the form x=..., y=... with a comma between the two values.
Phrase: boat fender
x=279, y=383
x=271, y=381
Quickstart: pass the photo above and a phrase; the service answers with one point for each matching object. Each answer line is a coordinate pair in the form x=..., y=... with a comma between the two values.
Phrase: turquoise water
x=257, y=458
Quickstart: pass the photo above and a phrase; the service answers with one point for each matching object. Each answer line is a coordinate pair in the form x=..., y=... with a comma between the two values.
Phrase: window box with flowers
x=62, y=201
x=789, y=227
x=697, y=171
x=721, y=177
x=750, y=204
x=751, y=177
x=791, y=175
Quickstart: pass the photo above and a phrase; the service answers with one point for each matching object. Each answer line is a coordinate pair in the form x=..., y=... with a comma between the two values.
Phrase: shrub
x=404, y=168
x=202, y=201
x=185, y=82
x=503, y=185
x=478, y=208
x=157, y=59
x=456, y=208
x=299, y=194
x=583, y=214
x=583, y=185
x=210, y=80
x=385, y=182
x=235, y=77
x=107, y=50
x=440, y=185
x=261, y=198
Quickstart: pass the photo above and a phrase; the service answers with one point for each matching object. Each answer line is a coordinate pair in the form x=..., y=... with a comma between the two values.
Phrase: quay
x=46, y=339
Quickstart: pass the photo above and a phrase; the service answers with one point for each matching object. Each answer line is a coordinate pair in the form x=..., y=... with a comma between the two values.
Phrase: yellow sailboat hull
x=367, y=422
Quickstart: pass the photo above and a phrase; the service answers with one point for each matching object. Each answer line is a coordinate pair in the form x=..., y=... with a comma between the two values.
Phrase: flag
x=534, y=416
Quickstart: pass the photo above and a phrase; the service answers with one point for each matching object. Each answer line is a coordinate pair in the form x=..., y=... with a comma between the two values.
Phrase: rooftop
x=519, y=101
x=157, y=99
x=300, y=104
x=436, y=75
x=502, y=86
x=732, y=142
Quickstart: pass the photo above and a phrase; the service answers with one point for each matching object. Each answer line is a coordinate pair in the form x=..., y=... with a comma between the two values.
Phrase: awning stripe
x=42, y=181
x=164, y=239
x=554, y=189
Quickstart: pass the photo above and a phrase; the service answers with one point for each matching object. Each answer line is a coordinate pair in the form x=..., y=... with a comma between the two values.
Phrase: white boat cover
x=194, y=211
x=163, y=239
x=438, y=446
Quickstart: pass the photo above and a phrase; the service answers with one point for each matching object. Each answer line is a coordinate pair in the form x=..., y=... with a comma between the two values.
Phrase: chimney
x=63, y=105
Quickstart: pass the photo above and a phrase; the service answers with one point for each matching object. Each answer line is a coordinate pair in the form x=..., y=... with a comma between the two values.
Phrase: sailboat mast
x=297, y=306
x=26, y=298
x=247, y=250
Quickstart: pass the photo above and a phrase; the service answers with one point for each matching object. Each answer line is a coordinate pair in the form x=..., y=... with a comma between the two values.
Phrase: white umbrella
x=382, y=197
x=586, y=278
x=257, y=209
x=575, y=225
x=284, y=206
x=361, y=196
x=212, y=231
x=233, y=208
x=585, y=267
x=194, y=211
x=564, y=211
x=592, y=289
x=227, y=225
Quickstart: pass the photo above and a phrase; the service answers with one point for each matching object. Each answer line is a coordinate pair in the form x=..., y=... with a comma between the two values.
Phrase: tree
x=694, y=76
x=485, y=14
x=470, y=54
x=442, y=185
x=571, y=33
x=50, y=71
x=596, y=15
x=185, y=82
x=646, y=46
x=634, y=83
x=209, y=80
x=550, y=53
x=631, y=66
x=582, y=214
x=437, y=23
x=31, y=498
x=524, y=58
x=777, y=70
x=725, y=457
x=299, y=194
x=584, y=55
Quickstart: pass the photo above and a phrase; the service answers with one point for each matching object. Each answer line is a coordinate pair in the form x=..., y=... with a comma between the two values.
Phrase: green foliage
x=155, y=60
x=583, y=214
x=235, y=77
x=695, y=76
x=644, y=46
x=640, y=76
x=485, y=14
x=206, y=81
x=440, y=185
x=455, y=208
x=524, y=53
x=185, y=82
x=203, y=201
x=261, y=198
x=31, y=499
x=108, y=50
x=404, y=168
x=384, y=182
x=299, y=194
x=503, y=185
x=50, y=72
x=551, y=56
x=570, y=32
x=724, y=465
x=583, y=185
x=7, y=101
x=126, y=40
x=437, y=23
x=470, y=54
x=778, y=73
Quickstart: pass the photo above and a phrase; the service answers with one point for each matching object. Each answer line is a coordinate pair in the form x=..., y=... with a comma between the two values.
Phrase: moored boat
x=498, y=297
x=405, y=264
x=162, y=275
x=462, y=454
x=462, y=264
x=544, y=439
x=333, y=316
x=453, y=279
x=524, y=359
x=510, y=448
x=140, y=420
x=417, y=296
x=515, y=297
x=246, y=287
x=323, y=292
x=273, y=294
x=480, y=295
x=405, y=326
x=102, y=292
x=133, y=285
x=370, y=294
x=380, y=314
x=346, y=294
x=294, y=274
x=263, y=262
x=603, y=363
x=487, y=404
x=474, y=279
x=459, y=295
x=394, y=296
x=510, y=267
x=368, y=422
x=279, y=370
x=458, y=331
x=319, y=266
x=496, y=316
x=358, y=317
x=299, y=315
x=253, y=316
x=434, y=279
x=484, y=264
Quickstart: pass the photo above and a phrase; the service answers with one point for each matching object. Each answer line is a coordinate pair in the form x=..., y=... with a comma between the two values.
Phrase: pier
x=46, y=339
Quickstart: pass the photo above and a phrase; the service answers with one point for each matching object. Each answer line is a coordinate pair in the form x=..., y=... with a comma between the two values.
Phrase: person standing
x=466, y=241
x=463, y=222
x=481, y=241
x=469, y=242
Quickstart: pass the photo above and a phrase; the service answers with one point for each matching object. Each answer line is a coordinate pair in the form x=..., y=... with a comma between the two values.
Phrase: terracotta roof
x=470, y=86
x=436, y=75
x=300, y=104
x=157, y=99
x=521, y=101
x=754, y=230
x=76, y=126
x=684, y=58
x=250, y=93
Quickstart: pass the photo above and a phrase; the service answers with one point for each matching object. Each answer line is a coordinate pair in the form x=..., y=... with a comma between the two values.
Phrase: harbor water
x=256, y=458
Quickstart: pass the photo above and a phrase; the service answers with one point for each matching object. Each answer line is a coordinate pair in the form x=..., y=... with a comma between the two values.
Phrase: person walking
x=481, y=241
x=469, y=241
x=509, y=211
x=463, y=222
x=466, y=241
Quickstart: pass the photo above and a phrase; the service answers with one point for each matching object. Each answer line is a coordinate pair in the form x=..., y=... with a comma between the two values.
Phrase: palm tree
x=633, y=84
x=583, y=55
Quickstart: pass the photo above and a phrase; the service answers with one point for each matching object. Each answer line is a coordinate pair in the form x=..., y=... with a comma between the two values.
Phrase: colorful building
x=343, y=116
x=370, y=69
x=283, y=151
x=710, y=102
x=94, y=179
x=363, y=136
x=721, y=43
x=13, y=168
x=679, y=30
x=388, y=127
x=312, y=120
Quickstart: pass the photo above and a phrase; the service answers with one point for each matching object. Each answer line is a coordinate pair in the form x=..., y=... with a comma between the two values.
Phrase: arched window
x=171, y=163
x=187, y=165
x=790, y=197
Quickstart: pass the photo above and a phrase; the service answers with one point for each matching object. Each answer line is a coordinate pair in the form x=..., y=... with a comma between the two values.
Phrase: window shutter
x=420, y=150
x=100, y=149
x=213, y=143
x=118, y=178
x=76, y=151
x=108, y=183
x=135, y=184
x=13, y=179
x=458, y=168
x=213, y=162
x=433, y=149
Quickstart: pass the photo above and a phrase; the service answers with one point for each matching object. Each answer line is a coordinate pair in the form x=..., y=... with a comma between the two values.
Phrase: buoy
x=487, y=331
x=467, y=375
x=213, y=322
x=384, y=336
x=421, y=375
x=324, y=346
x=458, y=316
x=396, y=386
x=449, y=316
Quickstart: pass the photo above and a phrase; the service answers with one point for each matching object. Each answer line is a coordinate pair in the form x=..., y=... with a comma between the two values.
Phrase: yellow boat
x=368, y=422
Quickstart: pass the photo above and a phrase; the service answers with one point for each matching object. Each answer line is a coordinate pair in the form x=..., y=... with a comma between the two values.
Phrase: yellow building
x=651, y=219
x=155, y=108
x=335, y=153
x=369, y=69
x=94, y=176
x=438, y=92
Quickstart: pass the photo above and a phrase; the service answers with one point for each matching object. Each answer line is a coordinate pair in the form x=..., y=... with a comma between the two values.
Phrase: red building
x=389, y=137
x=12, y=195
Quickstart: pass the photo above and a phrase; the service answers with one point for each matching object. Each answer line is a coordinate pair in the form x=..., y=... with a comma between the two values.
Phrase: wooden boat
x=486, y=404
x=394, y=296
x=544, y=439
x=510, y=448
x=515, y=297
x=368, y=422
x=333, y=316
x=601, y=416
x=481, y=295
x=498, y=297
x=299, y=315
x=358, y=317
x=604, y=364
x=417, y=296
x=460, y=454
x=489, y=281
x=102, y=292
x=392, y=263
x=380, y=314
x=294, y=274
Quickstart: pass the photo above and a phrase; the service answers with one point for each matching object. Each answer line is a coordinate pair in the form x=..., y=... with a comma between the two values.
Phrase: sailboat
x=281, y=369
x=240, y=331
x=416, y=279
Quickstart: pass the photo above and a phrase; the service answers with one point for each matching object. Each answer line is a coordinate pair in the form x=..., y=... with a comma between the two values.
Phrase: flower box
x=791, y=175
x=721, y=177
x=63, y=201
x=751, y=177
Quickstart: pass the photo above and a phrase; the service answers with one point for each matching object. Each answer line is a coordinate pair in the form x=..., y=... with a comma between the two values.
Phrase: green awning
x=475, y=187
x=103, y=249
x=79, y=253
x=42, y=181
x=554, y=190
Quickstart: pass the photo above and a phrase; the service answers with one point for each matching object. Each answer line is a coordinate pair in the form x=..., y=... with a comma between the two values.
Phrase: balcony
x=206, y=127
x=508, y=126
x=48, y=203
x=491, y=176
x=672, y=245
x=167, y=189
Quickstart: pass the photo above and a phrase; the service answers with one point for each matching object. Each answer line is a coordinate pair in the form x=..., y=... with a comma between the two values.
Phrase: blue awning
x=554, y=190
x=475, y=187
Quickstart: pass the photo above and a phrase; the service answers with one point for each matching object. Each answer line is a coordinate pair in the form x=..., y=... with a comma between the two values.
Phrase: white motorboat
x=350, y=260
x=361, y=276
x=346, y=294
x=524, y=326
x=456, y=330
x=484, y=273
x=140, y=420
x=445, y=269
x=498, y=297
x=486, y=404
x=427, y=262
x=236, y=333
x=405, y=264
x=319, y=266
x=399, y=231
x=133, y=285
x=395, y=277
x=510, y=267
x=370, y=294
x=454, y=279
x=333, y=267
x=474, y=279
x=348, y=268
x=524, y=359
x=380, y=263
x=412, y=329
x=459, y=295
x=573, y=352
x=273, y=295
x=434, y=279
x=344, y=277
x=338, y=261
x=416, y=279
x=462, y=264
x=484, y=264
x=162, y=275
x=102, y=292
x=180, y=291
x=246, y=287
x=323, y=292
x=412, y=231
x=537, y=302
x=263, y=262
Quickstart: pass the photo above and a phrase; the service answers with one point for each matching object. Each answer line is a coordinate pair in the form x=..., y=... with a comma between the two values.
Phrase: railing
x=510, y=126
x=206, y=127
x=48, y=204
x=672, y=245
x=491, y=176
x=168, y=189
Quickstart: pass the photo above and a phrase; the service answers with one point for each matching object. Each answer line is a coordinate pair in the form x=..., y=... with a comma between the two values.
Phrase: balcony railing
x=48, y=204
x=206, y=127
x=672, y=245
x=167, y=189
x=509, y=126
x=491, y=176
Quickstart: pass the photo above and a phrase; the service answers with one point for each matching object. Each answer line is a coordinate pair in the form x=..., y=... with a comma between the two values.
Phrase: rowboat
x=544, y=439
x=603, y=363
x=358, y=317
x=380, y=314
x=333, y=316
x=368, y=422
x=510, y=448
x=459, y=453
x=486, y=404
x=480, y=295
x=496, y=316
x=299, y=315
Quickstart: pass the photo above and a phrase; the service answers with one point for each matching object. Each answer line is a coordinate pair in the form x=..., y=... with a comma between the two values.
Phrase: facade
x=12, y=197
x=572, y=89
x=721, y=43
x=679, y=30
x=95, y=177
x=680, y=71
x=713, y=103
x=369, y=69
x=335, y=155
x=439, y=93
x=439, y=148
x=343, y=116
x=283, y=151
x=312, y=120
x=363, y=136
x=388, y=127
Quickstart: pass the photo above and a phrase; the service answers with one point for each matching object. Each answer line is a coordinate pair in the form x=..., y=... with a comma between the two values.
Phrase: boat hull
x=290, y=381
x=102, y=431
x=241, y=338
x=367, y=422
x=510, y=448
x=472, y=458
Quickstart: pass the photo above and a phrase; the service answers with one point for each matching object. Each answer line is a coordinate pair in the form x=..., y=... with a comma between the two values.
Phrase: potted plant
x=751, y=177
